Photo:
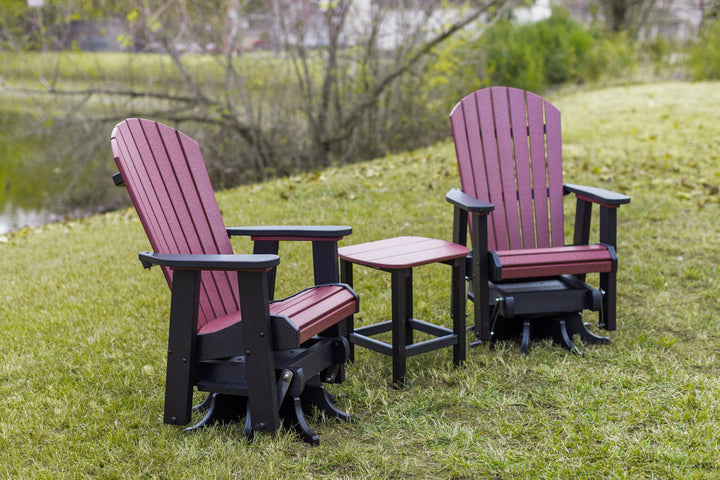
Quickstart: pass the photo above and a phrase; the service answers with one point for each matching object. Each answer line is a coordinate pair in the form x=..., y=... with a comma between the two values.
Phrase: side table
x=398, y=256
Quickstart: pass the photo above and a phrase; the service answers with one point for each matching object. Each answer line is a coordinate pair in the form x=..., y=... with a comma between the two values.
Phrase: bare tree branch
x=372, y=98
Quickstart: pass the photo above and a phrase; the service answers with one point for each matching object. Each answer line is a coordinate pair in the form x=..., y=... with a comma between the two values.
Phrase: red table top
x=402, y=252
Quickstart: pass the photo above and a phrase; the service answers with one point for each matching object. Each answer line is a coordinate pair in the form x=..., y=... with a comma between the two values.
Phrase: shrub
x=536, y=56
x=704, y=57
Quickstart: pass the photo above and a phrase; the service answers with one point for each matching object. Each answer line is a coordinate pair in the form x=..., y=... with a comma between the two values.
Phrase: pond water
x=28, y=198
x=40, y=185
x=23, y=189
x=13, y=218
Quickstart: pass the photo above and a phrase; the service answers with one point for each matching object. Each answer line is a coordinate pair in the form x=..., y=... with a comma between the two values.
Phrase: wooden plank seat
x=399, y=256
x=547, y=262
x=259, y=358
x=508, y=146
x=307, y=313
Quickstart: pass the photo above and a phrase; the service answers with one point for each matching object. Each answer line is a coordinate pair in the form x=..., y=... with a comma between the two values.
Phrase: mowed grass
x=85, y=327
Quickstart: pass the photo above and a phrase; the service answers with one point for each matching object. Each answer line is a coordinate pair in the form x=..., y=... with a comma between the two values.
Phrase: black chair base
x=560, y=328
x=224, y=408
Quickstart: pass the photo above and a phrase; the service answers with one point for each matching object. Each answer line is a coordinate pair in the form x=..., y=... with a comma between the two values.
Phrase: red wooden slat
x=166, y=152
x=296, y=303
x=315, y=310
x=518, y=117
x=554, y=261
x=393, y=246
x=221, y=323
x=506, y=159
x=312, y=311
x=462, y=148
x=162, y=158
x=557, y=261
x=566, y=249
x=555, y=175
x=372, y=247
x=200, y=210
x=200, y=180
x=151, y=177
x=492, y=172
x=552, y=257
x=165, y=147
x=469, y=149
x=126, y=157
x=534, y=271
x=322, y=319
x=536, y=122
x=152, y=182
x=140, y=189
x=148, y=183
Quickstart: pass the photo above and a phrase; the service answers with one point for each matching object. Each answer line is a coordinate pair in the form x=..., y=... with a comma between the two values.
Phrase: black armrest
x=608, y=202
x=467, y=202
x=292, y=231
x=209, y=262
x=324, y=240
x=597, y=195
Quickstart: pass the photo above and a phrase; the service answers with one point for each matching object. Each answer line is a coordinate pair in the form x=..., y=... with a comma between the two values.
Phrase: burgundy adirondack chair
x=509, y=154
x=270, y=365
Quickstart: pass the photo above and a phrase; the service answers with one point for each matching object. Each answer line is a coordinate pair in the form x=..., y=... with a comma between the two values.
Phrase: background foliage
x=270, y=113
x=266, y=114
x=535, y=56
x=704, y=58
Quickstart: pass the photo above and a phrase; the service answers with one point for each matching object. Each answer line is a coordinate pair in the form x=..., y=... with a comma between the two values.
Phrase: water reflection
x=22, y=186
x=29, y=201
x=22, y=198
x=40, y=185
x=13, y=218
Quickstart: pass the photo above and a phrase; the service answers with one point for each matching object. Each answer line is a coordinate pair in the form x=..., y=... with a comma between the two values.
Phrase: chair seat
x=312, y=310
x=547, y=262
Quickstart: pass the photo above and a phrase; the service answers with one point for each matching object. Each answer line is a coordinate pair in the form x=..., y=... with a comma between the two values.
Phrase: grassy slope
x=82, y=369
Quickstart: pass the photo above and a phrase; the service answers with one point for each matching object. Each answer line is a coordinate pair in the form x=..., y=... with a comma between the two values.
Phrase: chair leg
x=562, y=337
x=220, y=409
x=576, y=326
x=481, y=310
x=458, y=305
x=181, y=347
x=346, y=276
x=294, y=408
x=204, y=405
x=316, y=395
x=292, y=412
x=608, y=284
x=248, y=431
x=525, y=336
x=402, y=332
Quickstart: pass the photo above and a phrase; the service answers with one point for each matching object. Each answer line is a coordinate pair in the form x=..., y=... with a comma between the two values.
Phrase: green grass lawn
x=84, y=328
